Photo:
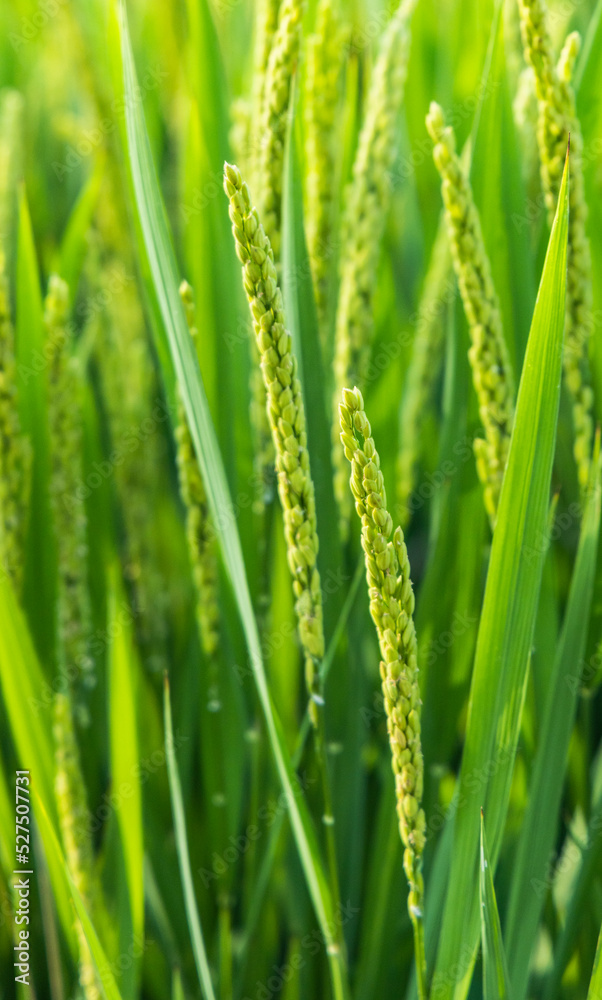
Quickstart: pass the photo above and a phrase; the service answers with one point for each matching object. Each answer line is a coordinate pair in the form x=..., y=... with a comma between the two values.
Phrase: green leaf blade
x=496, y=981
x=125, y=757
x=507, y=620
x=192, y=915
x=537, y=839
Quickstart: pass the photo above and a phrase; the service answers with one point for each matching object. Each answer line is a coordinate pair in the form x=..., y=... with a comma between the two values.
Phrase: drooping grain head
x=491, y=369
x=286, y=415
x=392, y=610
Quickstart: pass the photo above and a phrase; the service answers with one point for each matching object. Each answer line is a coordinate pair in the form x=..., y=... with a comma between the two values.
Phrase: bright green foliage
x=595, y=986
x=496, y=983
x=507, y=620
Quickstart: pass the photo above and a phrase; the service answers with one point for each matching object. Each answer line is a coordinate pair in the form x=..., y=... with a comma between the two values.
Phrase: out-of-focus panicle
x=247, y=110
x=491, y=370
x=266, y=23
x=424, y=368
x=69, y=512
x=202, y=542
x=367, y=203
x=557, y=119
x=525, y=117
x=281, y=67
x=15, y=449
x=75, y=831
x=75, y=665
x=203, y=555
x=15, y=452
x=322, y=103
x=136, y=413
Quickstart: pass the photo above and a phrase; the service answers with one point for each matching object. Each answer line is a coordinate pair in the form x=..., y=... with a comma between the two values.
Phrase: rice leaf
x=496, y=985
x=507, y=621
x=595, y=987
x=6, y=822
x=74, y=244
x=125, y=758
x=177, y=804
x=528, y=887
x=177, y=357
x=577, y=908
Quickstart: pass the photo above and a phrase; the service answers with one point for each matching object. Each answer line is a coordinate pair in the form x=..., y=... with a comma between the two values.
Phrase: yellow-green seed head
x=366, y=209
x=286, y=415
x=491, y=370
x=324, y=64
x=15, y=452
x=202, y=542
x=557, y=118
x=423, y=369
x=65, y=420
x=281, y=67
x=74, y=825
x=392, y=610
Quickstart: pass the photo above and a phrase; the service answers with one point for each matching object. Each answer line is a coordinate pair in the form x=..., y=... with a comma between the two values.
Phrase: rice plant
x=300, y=499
